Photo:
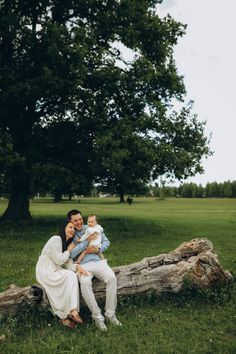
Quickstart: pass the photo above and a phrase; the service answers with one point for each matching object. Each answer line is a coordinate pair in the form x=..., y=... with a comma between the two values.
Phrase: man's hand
x=92, y=237
x=77, y=241
x=92, y=249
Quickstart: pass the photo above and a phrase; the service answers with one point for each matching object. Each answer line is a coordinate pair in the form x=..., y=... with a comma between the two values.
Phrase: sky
x=206, y=57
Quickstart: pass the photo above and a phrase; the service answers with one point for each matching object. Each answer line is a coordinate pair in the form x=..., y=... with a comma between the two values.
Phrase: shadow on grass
x=81, y=201
x=123, y=227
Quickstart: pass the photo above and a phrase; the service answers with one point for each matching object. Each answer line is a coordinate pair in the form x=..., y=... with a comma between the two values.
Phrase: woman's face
x=69, y=230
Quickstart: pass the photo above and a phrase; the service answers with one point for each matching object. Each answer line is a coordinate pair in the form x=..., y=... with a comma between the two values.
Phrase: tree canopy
x=69, y=97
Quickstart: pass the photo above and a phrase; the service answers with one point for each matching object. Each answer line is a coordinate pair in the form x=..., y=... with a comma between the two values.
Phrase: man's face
x=77, y=220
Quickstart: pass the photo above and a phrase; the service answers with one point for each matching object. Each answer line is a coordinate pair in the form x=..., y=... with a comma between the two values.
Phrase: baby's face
x=92, y=221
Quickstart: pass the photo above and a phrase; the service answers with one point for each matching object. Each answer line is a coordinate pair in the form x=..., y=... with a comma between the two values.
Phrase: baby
x=93, y=229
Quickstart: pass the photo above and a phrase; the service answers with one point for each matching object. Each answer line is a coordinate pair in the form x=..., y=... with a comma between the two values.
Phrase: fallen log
x=195, y=260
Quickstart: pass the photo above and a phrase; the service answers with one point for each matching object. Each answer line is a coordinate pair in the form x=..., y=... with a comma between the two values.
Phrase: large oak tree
x=68, y=97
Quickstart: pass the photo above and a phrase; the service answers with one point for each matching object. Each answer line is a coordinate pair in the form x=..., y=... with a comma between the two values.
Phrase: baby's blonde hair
x=93, y=215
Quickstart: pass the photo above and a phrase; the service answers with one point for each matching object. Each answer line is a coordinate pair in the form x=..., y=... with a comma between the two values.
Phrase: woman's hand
x=81, y=270
x=70, y=247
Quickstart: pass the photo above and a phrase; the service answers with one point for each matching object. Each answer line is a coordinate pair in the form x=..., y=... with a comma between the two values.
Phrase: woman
x=61, y=285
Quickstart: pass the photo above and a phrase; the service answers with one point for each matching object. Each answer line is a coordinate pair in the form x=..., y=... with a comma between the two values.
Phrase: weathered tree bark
x=194, y=260
x=18, y=207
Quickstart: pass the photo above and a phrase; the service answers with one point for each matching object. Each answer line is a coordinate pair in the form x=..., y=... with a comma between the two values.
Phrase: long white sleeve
x=57, y=255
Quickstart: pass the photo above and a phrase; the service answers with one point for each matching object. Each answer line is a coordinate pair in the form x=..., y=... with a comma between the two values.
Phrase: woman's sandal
x=75, y=317
x=68, y=323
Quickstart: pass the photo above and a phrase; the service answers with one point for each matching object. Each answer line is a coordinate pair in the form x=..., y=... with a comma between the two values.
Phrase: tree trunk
x=122, y=197
x=18, y=207
x=194, y=261
x=57, y=197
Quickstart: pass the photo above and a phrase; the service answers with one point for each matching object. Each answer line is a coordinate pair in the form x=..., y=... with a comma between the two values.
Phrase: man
x=98, y=268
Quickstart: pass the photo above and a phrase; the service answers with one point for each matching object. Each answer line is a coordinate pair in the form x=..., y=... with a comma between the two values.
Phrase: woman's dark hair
x=62, y=233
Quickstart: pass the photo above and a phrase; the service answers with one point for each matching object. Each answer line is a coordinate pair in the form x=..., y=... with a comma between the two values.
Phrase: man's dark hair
x=73, y=212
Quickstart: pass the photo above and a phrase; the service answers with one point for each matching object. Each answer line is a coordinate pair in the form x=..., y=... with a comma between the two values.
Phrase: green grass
x=185, y=323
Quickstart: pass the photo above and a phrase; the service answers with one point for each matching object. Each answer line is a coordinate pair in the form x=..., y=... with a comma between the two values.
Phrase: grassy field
x=186, y=323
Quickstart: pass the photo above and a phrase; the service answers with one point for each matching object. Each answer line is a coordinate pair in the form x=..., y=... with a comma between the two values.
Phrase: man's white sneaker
x=112, y=319
x=101, y=325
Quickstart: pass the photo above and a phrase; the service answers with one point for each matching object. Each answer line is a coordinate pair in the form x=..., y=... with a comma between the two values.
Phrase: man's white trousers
x=102, y=271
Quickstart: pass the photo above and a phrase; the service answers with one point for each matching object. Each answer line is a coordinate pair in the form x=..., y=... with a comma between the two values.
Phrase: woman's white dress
x=61, y=285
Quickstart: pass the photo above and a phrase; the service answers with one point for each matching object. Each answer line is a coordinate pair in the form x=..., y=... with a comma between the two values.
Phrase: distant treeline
x=192, y=190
